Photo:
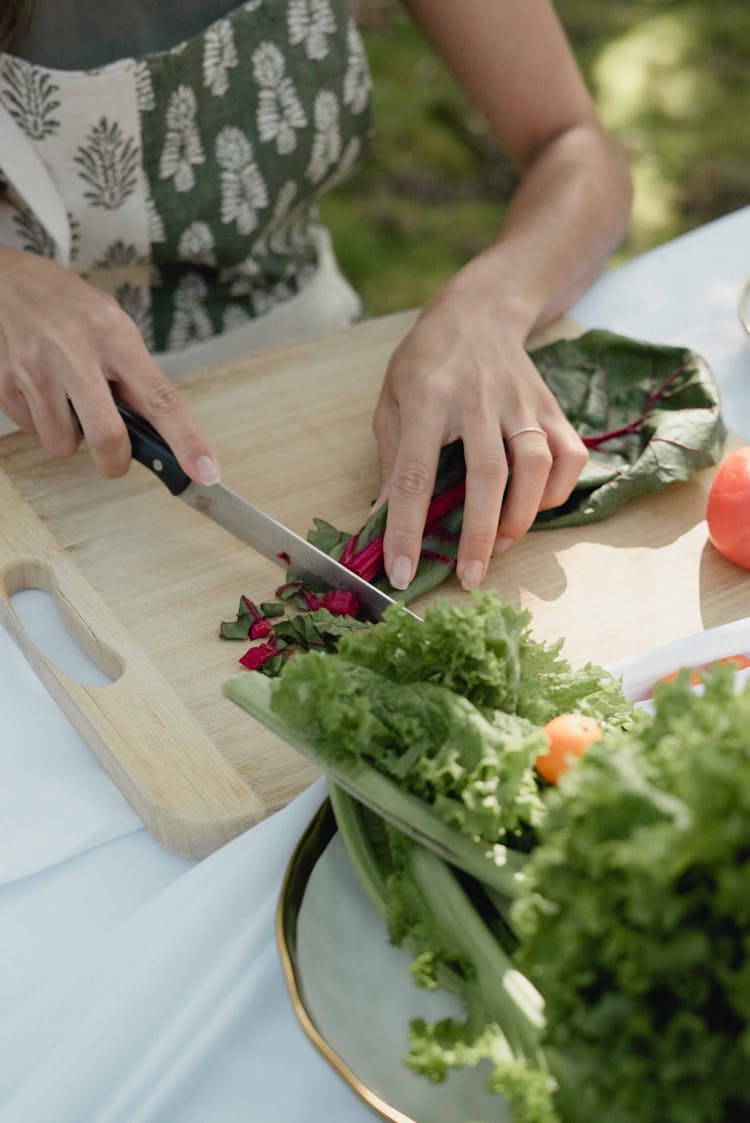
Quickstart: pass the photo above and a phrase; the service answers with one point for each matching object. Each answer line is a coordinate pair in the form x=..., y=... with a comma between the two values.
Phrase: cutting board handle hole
x=55, y=628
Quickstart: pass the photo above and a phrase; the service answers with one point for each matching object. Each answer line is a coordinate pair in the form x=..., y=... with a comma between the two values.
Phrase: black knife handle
x=152, y=451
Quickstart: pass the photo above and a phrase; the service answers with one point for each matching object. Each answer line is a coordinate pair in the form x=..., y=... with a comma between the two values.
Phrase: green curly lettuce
x=436, y=745
x=635, y=921
x=482, y=649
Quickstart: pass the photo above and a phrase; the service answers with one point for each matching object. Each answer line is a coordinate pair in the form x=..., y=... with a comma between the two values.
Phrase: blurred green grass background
x=671, y=79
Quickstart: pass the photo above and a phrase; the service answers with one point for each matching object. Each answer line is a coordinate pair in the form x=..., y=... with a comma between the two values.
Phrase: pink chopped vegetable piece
x=340, y=603
x=445, y=502
x=260, y=628
x=369, y=560
x=256, y=656
x=312, y=600
x=350, y=549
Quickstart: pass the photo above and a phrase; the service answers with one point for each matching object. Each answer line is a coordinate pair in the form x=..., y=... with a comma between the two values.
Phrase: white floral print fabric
x=243, y=192
x=144, y=89
x=280, y=112
x=182, y=144
x=108, y=164
x=311, y=22
x=357, y=77
x=191, y=322
x=196, y=244
x=94, y=157
x=219, y=56
x=32, y=98
x=327, y=142
x=190, y=176
x=154, y=222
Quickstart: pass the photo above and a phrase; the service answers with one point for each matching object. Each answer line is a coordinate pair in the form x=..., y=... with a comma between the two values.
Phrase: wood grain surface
x=144, y=581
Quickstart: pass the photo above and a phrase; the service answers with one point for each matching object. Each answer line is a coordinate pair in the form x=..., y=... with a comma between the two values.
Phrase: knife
x=252, y=526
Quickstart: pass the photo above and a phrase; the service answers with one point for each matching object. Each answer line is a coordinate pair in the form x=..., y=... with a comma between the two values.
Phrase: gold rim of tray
x=742, y=305
x=308, y=850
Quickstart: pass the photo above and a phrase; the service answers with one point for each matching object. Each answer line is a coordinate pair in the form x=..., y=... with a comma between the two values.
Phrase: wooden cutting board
x=143, y=581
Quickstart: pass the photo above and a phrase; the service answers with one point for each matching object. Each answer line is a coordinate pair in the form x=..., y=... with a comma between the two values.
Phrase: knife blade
x=246, y=522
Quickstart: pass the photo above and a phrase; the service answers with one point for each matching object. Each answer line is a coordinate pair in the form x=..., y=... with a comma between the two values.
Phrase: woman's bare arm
x=462, y=371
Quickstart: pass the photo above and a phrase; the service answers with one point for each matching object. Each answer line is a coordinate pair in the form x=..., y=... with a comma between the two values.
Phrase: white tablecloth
x=138, y=987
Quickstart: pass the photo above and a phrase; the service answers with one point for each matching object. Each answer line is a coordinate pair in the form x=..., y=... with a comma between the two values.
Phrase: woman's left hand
x=462, y=371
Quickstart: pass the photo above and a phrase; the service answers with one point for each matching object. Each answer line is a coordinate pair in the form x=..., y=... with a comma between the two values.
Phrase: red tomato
x=728, y=511
x=568, y=735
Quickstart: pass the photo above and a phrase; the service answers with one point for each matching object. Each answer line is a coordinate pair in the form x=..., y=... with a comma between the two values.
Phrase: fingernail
x=471, y=575
x=207, y=470
x=501, y=545
x=400, y=573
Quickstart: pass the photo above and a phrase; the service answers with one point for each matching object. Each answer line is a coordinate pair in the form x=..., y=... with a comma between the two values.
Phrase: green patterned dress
x=189, y=177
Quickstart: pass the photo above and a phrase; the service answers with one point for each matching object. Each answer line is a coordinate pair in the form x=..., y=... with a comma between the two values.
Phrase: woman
x=178, y=227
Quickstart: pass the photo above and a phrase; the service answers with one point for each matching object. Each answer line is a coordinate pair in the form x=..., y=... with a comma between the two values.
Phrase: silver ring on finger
x=525, y=429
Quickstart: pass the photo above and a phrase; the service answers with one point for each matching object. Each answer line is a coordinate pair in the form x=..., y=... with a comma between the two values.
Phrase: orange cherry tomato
x=728, y=510
x=568, y=735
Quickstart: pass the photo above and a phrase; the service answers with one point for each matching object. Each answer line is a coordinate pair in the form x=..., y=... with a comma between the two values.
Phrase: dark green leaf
x=327, y=538
x=327, y=623
x=649, y=413
x=272, y=667
x=236, y=629
x=271, y=608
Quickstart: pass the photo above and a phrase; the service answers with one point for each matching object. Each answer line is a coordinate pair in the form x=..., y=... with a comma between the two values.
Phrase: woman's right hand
x=64, y=342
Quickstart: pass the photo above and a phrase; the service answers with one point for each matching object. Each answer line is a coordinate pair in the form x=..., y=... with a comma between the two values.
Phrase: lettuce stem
x=348, y=814
x=508, y=994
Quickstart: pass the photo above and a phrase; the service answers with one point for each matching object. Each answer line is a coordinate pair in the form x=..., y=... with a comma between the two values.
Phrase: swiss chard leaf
x=649, y=415
x=327, y=538
x=235, y=629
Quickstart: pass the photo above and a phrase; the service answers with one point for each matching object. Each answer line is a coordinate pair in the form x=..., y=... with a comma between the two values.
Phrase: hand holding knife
x=264, y=534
